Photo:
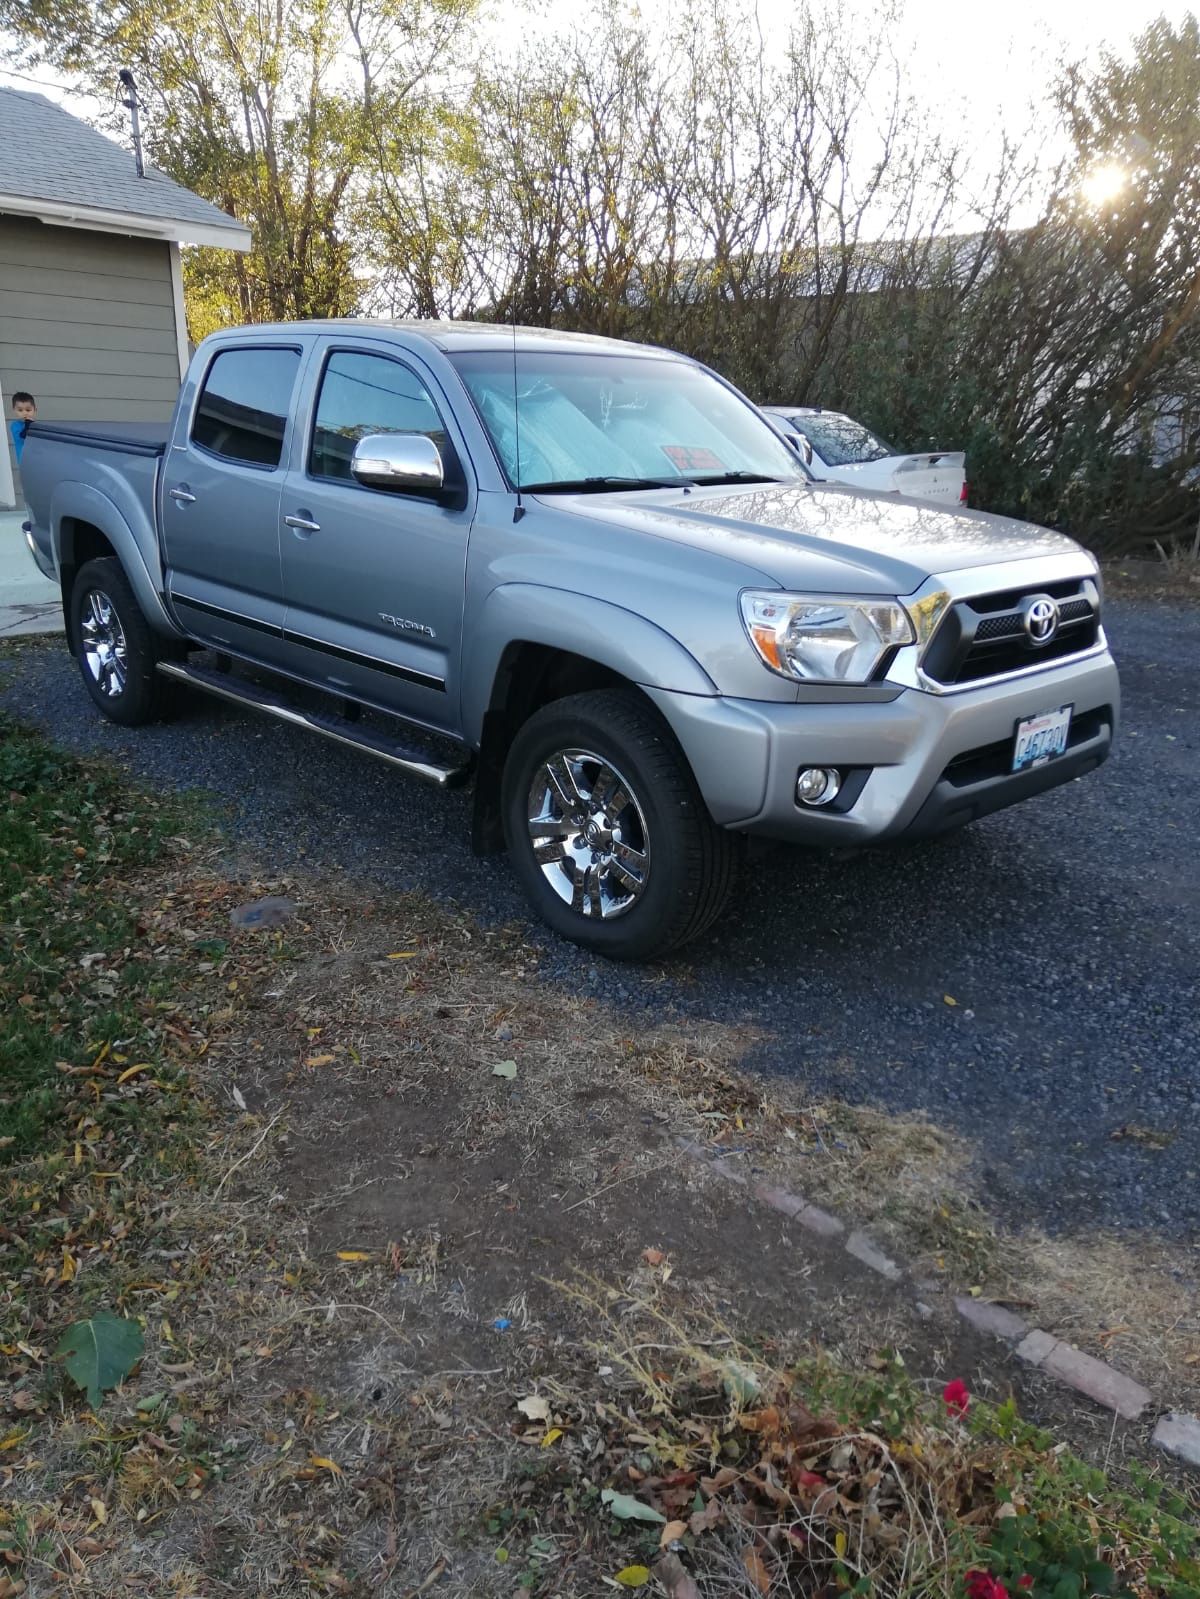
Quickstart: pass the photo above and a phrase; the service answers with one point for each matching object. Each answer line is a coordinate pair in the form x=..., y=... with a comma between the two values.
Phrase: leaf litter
x=288, y=1401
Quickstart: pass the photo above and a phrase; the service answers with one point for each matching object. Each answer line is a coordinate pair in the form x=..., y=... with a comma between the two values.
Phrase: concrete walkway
x=29, y=603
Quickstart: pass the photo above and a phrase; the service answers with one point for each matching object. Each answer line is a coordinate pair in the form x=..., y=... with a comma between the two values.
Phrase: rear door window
x=243, y=407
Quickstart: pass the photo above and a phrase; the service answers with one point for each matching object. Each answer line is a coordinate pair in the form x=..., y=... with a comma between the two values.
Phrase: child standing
x=24, y=408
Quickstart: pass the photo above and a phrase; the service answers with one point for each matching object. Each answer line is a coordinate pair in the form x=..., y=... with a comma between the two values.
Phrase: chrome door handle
x=302, y=523
x=182, y=496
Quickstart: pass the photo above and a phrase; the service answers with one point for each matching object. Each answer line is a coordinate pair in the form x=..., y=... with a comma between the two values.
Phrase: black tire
x=129, y=691
x=690, y=861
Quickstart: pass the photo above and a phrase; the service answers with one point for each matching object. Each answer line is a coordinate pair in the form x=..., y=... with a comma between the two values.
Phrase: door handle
x=182, y=496
x=302, y=524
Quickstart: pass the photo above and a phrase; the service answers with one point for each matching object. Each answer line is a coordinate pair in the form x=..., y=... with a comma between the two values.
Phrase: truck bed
x=130, y=438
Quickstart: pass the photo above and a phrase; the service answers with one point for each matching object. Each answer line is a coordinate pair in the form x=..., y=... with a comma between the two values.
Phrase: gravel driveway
x=1066, y=930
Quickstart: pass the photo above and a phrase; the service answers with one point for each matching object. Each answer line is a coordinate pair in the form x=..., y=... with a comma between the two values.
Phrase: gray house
x=91, y=295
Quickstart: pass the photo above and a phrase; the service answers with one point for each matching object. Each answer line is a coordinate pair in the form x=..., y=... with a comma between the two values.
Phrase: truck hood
x=827, y=537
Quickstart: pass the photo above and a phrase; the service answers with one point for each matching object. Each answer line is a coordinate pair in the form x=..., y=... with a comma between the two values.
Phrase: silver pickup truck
x=586, y=574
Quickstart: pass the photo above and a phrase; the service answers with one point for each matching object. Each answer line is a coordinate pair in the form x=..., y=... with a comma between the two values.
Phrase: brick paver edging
x=1177, y=1434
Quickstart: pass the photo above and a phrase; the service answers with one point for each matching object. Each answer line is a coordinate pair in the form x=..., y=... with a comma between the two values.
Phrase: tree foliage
x=782, y=208
x=270, y=109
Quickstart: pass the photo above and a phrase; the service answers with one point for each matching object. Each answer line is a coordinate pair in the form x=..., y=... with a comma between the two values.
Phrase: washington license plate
x=1041, y=738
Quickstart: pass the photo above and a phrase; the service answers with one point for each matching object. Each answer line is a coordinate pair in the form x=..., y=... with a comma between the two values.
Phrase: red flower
x=1025, y=1582
x=957, y=1397
x=982, y=1585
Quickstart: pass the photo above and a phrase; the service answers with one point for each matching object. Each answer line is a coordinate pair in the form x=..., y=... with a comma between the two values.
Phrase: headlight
x=824, y=639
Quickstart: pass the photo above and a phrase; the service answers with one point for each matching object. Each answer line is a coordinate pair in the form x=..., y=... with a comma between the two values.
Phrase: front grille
x=986, y=636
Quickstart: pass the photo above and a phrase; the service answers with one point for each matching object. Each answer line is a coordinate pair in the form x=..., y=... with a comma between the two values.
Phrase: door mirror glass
x=409, y=463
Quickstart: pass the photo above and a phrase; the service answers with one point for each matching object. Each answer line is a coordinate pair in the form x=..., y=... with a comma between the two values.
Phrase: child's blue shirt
x=17, y=430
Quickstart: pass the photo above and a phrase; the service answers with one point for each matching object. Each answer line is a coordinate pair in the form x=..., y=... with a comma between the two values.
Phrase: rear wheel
x=607, y=830
x=116, y=648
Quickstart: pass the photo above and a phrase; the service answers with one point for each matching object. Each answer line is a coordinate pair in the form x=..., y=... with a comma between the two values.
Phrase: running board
x=407, y=757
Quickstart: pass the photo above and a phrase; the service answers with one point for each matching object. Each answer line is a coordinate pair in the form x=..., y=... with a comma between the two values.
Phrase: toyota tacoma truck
x=587, y=576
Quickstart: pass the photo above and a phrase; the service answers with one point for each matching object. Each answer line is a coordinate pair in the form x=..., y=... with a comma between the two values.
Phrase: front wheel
x=607, y=829
x=115, y=646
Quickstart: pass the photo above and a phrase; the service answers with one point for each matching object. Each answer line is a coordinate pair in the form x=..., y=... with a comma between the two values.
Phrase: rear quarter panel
x=111, y=489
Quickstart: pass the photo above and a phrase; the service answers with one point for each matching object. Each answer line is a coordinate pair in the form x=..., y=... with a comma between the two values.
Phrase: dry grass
x=324, y=1406
x=1174, y=576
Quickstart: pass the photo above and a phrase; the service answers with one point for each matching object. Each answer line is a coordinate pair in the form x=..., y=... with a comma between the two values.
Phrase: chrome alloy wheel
x=103, y=640
x=589, y=835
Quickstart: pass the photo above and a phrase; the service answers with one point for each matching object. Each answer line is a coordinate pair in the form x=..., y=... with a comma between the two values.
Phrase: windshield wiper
x=601, y=485
x=733, y=477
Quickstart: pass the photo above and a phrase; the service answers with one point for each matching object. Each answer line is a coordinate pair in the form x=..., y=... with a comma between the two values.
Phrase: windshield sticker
x=692, y=458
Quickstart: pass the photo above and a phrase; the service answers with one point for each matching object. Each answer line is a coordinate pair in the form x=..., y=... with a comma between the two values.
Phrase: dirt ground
x=460, y=1228
x=447, y=1187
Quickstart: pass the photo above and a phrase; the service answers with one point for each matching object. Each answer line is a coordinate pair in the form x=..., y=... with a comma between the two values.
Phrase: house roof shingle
x=51, y=160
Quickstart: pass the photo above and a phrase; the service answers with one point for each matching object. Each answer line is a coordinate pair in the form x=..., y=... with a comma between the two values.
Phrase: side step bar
x=409, y=758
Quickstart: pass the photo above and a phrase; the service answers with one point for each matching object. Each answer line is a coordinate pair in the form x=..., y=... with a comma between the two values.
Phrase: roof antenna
x=519, y=508
x=133, y=105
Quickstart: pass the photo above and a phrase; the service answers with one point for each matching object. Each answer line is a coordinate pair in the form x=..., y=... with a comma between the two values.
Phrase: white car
x=842, y=450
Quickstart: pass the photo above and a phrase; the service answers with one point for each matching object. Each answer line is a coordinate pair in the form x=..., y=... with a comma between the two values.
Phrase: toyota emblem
x=1041, y=619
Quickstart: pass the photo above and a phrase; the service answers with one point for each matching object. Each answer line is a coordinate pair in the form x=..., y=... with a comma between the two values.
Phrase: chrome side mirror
x=409, y=463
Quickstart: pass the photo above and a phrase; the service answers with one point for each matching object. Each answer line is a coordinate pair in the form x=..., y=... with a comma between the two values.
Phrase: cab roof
x=451, y=336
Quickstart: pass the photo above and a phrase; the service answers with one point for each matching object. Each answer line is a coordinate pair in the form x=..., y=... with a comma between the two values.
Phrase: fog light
x=818, y=785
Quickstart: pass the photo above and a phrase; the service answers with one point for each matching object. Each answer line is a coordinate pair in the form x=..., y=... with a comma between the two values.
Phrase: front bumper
x=932, y=761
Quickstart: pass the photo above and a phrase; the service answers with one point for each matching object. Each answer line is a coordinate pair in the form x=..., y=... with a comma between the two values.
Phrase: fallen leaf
x=101, y=1353
x=354, y=1254
x=68, y=1266
x=626, y=1508
x=701, y=1520
x=505, y=1068
x=325, y=1464
x=552, y=1437
x=535, y=1407
x=99, y=1510
x=239, y=1098
x=755, y=1570
x=740, y=1382
x=318, y=1060
x=948, y=999
x=679, y=1585
x=673, y=1531
x=132, y=1071
x=403, y=955
x=653, y=1257
x=633, y=1576
x=840, y=1544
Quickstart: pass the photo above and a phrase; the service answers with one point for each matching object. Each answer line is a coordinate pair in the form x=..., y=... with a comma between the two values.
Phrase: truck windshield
x=839, y=440
x=591, y=422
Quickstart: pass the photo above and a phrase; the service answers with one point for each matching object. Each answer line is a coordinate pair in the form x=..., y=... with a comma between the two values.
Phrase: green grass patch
x=77, y=978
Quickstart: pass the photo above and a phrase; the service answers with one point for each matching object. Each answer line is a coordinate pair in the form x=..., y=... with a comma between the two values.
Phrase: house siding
x=87, y=324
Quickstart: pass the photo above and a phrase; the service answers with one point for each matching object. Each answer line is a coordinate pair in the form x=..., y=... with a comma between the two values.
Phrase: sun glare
x=1104, y=184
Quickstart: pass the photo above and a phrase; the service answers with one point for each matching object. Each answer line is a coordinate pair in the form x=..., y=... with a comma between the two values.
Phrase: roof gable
x=55, y=167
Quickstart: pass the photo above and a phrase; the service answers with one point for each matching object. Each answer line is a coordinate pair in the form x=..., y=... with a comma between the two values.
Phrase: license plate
x=1041, y=738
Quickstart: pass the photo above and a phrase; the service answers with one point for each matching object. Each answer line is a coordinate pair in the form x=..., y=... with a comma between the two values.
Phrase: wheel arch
x=532, y=644
x=88, y=525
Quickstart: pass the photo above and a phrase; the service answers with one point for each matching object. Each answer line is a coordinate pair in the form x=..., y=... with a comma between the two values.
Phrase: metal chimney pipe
x=127, y=83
